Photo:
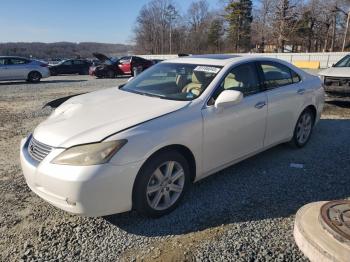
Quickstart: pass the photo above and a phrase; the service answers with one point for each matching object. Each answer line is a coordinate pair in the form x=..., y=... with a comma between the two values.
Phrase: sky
x=105, y=21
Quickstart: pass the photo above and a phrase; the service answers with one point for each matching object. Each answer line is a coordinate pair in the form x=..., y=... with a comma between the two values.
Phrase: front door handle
x=301, y=91
x=260, y=104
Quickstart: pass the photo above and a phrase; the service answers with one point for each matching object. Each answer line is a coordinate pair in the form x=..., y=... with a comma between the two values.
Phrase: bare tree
x=199, y=19
x=305, y=25
x=153, y=25
x=262, y=25
x=285, y=17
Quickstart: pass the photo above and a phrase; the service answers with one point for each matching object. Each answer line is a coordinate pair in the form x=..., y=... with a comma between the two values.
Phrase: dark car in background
x=71, y=66
x=112, y=67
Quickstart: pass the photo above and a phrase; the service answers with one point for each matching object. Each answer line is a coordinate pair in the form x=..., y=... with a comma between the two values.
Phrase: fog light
x=70, y=202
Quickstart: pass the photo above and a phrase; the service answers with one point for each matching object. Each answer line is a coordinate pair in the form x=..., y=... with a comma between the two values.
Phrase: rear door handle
x=260, y=104
x=301, y=91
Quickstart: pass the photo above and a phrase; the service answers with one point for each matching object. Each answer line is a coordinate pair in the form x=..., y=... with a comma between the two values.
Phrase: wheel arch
x=32, y=71
x=313, y=109
x=185, y=151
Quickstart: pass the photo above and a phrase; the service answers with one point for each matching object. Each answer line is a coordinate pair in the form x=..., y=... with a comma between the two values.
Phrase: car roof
x=207, y=59
x=213, y=56
x=222, y=59
x=4, y=56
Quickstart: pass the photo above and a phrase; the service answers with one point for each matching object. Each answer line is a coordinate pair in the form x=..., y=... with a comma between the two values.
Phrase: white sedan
x=140, y=146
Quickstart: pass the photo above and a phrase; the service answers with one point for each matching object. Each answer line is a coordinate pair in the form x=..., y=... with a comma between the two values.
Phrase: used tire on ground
x=161, y=184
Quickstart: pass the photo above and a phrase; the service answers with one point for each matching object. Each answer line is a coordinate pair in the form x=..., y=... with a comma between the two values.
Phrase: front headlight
x=89, y=154
x=321, y=78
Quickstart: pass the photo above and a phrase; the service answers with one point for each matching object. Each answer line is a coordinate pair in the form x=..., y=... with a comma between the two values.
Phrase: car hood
x=336, y=72
x=103, y=58
x=92, y=117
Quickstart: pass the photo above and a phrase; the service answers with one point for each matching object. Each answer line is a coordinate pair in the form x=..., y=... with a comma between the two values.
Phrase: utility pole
x=170, y=38
x=334, y=31
x=171, y=13
x=346, y=31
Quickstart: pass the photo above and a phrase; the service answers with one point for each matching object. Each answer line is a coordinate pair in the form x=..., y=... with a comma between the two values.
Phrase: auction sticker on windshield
x=207, y=69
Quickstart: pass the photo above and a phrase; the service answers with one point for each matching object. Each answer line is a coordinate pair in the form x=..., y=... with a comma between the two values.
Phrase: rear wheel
x=34, y=77
x=134, y=71
x=161, y=184
x=303, y=128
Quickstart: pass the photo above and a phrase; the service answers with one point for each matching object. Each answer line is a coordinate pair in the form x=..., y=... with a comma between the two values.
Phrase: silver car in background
x=18, y=68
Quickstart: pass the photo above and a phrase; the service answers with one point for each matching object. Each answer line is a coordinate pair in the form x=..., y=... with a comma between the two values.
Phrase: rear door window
x=17, y=61
x=78, y=62
x=276, y=75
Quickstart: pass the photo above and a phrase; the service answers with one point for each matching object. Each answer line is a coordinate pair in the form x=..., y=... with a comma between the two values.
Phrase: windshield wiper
x=145, y=94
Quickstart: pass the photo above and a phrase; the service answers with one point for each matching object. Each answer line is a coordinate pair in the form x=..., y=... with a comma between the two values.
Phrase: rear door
x=239, y=130
x=285, y=98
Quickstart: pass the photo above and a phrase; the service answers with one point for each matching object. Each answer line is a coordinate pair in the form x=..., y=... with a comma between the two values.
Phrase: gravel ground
x=243, y=213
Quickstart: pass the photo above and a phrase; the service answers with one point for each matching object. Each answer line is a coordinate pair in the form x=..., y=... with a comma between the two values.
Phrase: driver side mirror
x=228, y=98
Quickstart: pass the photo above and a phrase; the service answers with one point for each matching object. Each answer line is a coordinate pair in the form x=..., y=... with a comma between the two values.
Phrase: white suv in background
x=338, y=74
x=18, y=68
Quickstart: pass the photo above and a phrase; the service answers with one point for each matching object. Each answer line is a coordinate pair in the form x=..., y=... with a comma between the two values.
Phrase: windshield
x=110, y=61
x=344, y=62
x=173, y=81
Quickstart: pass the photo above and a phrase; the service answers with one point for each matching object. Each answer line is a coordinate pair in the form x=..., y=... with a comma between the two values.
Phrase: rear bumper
x=45, y=72
x=84, y=190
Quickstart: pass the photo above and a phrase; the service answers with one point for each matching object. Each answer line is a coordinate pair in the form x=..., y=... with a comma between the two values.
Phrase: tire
x=303, y=129
x=133, y=71
x=155, y=194
x=34, y=77
x=110, y=74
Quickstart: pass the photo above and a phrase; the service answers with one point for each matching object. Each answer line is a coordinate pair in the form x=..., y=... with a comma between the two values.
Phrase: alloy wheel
x=165, y=185
x=35, y=77
x=304, y=127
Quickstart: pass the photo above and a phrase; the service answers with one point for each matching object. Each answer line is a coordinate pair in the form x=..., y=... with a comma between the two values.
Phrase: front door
x=239, y=130
x=66, y=67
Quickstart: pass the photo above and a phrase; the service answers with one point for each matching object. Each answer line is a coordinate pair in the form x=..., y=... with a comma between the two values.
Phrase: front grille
x=339, y=81
x=38, y=151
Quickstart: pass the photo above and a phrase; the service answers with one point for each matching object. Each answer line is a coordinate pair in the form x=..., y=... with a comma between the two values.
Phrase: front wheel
x=161, y=184
x=303, y=128
x=110, y=74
